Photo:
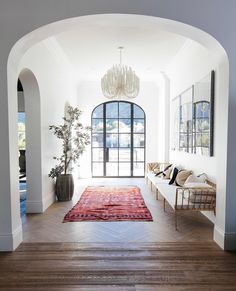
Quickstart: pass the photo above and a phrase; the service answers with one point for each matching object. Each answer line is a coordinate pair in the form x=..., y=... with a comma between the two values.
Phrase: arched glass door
x=118, y=140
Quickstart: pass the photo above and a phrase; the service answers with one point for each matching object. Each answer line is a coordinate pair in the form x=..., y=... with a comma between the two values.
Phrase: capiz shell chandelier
x=120, y=82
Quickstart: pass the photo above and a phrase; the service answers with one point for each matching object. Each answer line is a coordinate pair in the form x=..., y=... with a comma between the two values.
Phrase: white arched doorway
x=33, y=144
x=205, y=39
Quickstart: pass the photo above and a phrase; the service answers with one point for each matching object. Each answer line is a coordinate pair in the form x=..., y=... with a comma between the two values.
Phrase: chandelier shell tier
x=120, y=82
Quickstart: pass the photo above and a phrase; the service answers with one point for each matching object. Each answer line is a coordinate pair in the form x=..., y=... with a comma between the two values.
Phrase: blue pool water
x=23, y=199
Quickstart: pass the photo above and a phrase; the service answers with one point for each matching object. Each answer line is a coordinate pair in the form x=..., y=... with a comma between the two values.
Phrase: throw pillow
x=198, y=179
x=167, y=172
x=174, y=174
x=182, y=177
x=167, y=167
x=159, y=173
x=152, y=167
x=175, y=166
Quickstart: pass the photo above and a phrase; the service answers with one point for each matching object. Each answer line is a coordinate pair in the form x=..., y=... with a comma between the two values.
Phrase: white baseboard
x=210, y=215
x=10, y=241
x=50, y=199
x=34, y=206
x=227, y=241
x=219, y=237
x=41, y=205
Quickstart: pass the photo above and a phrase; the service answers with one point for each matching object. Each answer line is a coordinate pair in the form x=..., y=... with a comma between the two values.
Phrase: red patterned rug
x=104, y=203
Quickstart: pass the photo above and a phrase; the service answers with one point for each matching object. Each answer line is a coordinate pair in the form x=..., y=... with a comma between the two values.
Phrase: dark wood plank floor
x=118, y=266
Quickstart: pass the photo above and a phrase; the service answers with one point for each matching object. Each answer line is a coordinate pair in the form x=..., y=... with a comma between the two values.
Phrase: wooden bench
x=181, y=198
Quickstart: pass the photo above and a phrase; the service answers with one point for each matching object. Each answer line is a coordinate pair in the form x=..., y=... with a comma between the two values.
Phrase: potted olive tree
x=75, y=137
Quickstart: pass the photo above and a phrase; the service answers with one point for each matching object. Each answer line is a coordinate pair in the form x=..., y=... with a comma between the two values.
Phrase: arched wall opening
x=202, y=37
x=34, y=202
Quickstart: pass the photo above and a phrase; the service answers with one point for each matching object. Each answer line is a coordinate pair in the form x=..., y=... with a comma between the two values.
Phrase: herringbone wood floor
x=48, y=227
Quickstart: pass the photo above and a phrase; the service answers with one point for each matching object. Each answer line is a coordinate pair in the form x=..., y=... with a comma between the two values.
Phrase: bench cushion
x=169, y=193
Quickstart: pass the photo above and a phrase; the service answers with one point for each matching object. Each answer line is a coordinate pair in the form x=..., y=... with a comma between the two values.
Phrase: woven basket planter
x=64, y=187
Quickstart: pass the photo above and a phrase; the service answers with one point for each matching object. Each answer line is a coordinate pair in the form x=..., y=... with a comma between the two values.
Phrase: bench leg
x=176, y=220
x=157, y=196
x=164, y=204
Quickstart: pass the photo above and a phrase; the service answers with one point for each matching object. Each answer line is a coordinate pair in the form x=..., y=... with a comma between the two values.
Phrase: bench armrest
x=156, y=166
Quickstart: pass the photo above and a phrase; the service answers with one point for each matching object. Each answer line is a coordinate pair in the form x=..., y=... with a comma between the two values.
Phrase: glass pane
x=97, y=140
x=138, y=125
x=124, y=169
x=112, y=155
x=206, y=110
x=205, y=125
x=21, y=130
x=183, y=143
x=21, y=140
x=112, y=125
x=202, y=140
x=97, y=169
x=112, y=169
x=190, y=143
x=98, y=155
x=186, y=125
x=125, y=125
x=124, y=140
x=202, y=109
x=138, y=169
x=111, y=140
x=124, y=155
x=138, y=112
x=138, y=155
x=203, y=150
x=112, y=110
x=21, y=121
x=198, y=140
x=139, y=140
x=97, y=125
x=98, y=112
x=202, y=125
x=124, y=110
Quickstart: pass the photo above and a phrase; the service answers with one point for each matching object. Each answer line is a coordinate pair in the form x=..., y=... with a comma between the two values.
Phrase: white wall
x=90, y=95
x=57, y=88
x=191, y=64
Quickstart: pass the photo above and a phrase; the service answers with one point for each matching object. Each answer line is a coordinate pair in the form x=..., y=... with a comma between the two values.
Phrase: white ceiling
x=91, y=48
